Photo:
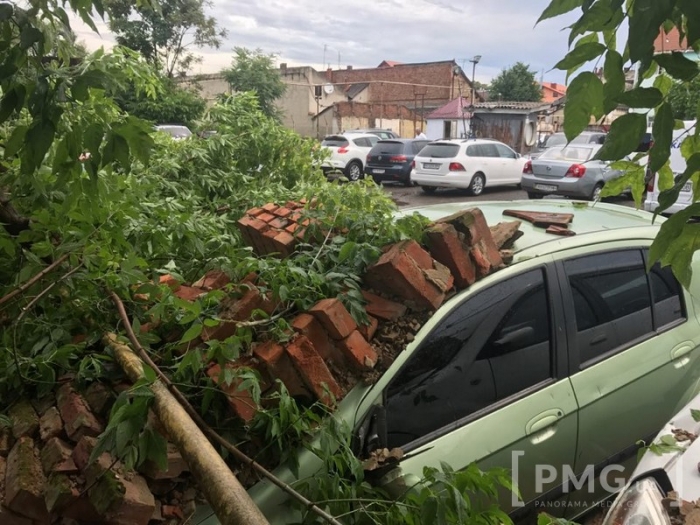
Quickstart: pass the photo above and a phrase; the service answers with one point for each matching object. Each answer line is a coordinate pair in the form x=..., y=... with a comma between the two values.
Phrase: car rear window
x=386, y=146
x=440, y=151
x=335, y=142
x=572, y=153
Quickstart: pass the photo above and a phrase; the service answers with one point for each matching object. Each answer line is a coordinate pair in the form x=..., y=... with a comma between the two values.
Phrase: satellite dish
x=328, y=89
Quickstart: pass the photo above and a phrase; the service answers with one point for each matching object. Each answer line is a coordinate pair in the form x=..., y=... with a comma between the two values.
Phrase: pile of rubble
x=45, y=475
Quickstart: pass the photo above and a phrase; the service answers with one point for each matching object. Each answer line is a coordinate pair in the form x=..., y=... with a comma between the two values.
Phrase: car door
x=487, y=384
x=634, y=358
x=511, y=165
x=492, y=165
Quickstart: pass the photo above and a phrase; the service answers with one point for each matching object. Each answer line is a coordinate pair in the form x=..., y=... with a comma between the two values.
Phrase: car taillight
x=456, y=166
x=576, y=170
x=398, y=158
x=528, y=167
x=343, y=149
x=413, y=164
x=367, y=159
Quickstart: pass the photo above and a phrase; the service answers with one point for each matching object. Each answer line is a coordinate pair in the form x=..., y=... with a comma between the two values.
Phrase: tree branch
x=33, y=280
x=208, y=431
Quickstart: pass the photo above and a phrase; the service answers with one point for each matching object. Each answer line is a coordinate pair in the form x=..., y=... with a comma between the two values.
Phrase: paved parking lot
x=414, y=196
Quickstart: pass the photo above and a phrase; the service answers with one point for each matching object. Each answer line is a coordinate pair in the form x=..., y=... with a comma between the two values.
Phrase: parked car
x=570, y=171
x=672, y=468
x=347, y=153
x=381, y=133
x=473, y=164
x=568, y=356
x=175, y=131
x=392, y=160
x=678, y=166
x=559, y=139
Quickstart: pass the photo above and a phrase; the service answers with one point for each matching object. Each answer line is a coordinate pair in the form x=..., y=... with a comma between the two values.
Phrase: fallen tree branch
x=24, y=287
x=226, y=495
x=213, y=436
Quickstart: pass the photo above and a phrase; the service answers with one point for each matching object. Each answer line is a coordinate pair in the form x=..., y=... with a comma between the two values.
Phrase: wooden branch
x=228, y=498
x=34, y=280
x=210, y=432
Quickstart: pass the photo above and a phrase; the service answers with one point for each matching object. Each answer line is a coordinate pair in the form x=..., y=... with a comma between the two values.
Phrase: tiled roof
x=670, y=41
x=510, y=105
x=389, y=63
x=454, y=109
x=355, y=89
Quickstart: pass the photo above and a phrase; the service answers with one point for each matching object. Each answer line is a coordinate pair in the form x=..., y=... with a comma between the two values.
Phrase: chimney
x=349, y=68
x=329, y=75
x=283, y=67
x=554, y=85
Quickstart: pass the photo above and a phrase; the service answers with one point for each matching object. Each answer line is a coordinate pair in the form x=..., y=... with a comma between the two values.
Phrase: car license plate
x=378, y=172
x=431, y=166
x=545, y=187
x=687, y=187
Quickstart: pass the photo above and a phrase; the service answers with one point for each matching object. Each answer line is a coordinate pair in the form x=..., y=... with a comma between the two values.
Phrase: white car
x=176, y=131
x=678, y=166
x=348, y=153
x=473, y=164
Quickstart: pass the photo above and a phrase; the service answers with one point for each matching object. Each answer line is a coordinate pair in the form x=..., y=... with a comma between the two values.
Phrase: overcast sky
x=362, y=33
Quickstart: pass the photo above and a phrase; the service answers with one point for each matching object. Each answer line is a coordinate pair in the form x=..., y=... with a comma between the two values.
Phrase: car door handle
x=679, y=354
x=598, y=340
x=540, y=427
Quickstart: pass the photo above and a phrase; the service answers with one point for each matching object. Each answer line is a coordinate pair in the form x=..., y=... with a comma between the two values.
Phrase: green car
x=554, y=367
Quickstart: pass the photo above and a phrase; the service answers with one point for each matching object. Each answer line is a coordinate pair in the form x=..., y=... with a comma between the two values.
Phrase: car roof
x=610, y=221
x=405, y=141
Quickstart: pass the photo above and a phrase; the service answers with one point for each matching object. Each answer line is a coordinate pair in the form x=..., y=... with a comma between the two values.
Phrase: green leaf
x=192, y=332
x=37, y=142
x=626, y=132
x=346, y=251
x=677, y=239
x=584, y=98
x=597, y=18
x=678, y=66
x=116, y=149
x=662, y=131
x=640, y=97
x=29, y=36
x=15, y=141
x=669, y=197
x=691, y=10
x=580, y=55
x=663, y=83
x=5, y=11
x=695, y=414
x=644, y=24
x=8, y=105
x=559, y=7
x=614, y=79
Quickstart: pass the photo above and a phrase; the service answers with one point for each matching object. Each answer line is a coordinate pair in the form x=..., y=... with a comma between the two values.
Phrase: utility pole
x=474, y=62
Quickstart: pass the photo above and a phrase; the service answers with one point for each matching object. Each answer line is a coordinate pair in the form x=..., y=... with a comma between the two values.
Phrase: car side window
x=474, y=151
x=418, y=145
x=505, y=152
x=372, y=140
x=489, y=150
x=667, y=296
x=492, y=347
x=611, y=301
x=361, y=142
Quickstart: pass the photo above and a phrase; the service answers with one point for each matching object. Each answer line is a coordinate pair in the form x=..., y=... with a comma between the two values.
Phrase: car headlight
x=640, y=504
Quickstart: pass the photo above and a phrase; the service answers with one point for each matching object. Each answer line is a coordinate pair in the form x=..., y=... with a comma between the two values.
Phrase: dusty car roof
x=588, y=218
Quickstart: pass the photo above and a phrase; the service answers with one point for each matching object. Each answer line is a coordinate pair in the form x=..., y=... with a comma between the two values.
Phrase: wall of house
x=209, y=87
x=508, y=128
x=435, y=129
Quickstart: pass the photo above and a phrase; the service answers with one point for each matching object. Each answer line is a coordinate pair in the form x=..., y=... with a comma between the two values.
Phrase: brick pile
x=46, y=476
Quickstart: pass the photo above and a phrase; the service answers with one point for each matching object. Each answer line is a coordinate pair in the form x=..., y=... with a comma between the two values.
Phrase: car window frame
x=511, y=154
x=574, y=358
x=560, y=366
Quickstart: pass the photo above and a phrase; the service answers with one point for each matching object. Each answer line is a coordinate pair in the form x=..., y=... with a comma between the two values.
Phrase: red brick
x=176, y=465
x=222, y=331
x=368, y=330
x=481, y=262
x=172, y=512
x=295, y=216
x=440, y=276
x=25, y=420
x=77, y=417
x=240, y=399
x=334, y=317
x=313, y=369
x=283, y=212
x=254, y=212
x=293, y=205
x=24, y=481
x=358, y=352
x=50, y=424
x=397, y=273
x=245, y=226
x=266, y=217
x=213, y=280
x=6, y=442
x=56, y=456
x=270, y=207
x=542, y=219
x=7, y=517
x=242, y=309
x=286, y=242
x=169, y=281
x=292, y=227
x=279, y=366
x=279, y=223
x=383, y=308
x=447, y=247
x=188, y=293
x=418, y=254
x=308, y=326
x=267, y=239
x=137, y=504
x=251, y=228
x=82, y=451
x=505, y=234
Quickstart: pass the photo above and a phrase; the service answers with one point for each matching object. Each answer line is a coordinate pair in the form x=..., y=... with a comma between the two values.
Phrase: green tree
x=685, y=97
x=516, y=83
x=164, y=35
x=173, y=105
x=594, y=37
x=255, y=71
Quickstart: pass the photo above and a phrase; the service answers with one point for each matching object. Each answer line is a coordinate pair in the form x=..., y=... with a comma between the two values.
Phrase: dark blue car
x=391, y=160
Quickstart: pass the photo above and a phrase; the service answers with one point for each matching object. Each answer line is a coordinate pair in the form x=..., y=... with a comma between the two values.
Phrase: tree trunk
x=223, y=491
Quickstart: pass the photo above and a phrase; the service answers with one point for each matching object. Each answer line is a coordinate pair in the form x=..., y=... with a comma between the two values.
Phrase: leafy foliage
x=254, y=71
x=671, y=95
x=163, y=33
x=516, y=83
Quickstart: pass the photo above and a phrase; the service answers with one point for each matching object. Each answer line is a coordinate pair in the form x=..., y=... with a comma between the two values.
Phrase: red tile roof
x=671, y=41
x=389, y=63
x=454, y=109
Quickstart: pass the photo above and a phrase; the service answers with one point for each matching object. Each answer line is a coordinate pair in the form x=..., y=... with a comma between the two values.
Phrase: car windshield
x=387, y=146
x=556, y=140
x=574, y=153
x=335, y=142
x=175, y=131
x=440, y=151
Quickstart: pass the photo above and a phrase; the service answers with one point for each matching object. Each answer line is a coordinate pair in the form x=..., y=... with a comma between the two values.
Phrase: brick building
x=552, y=91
